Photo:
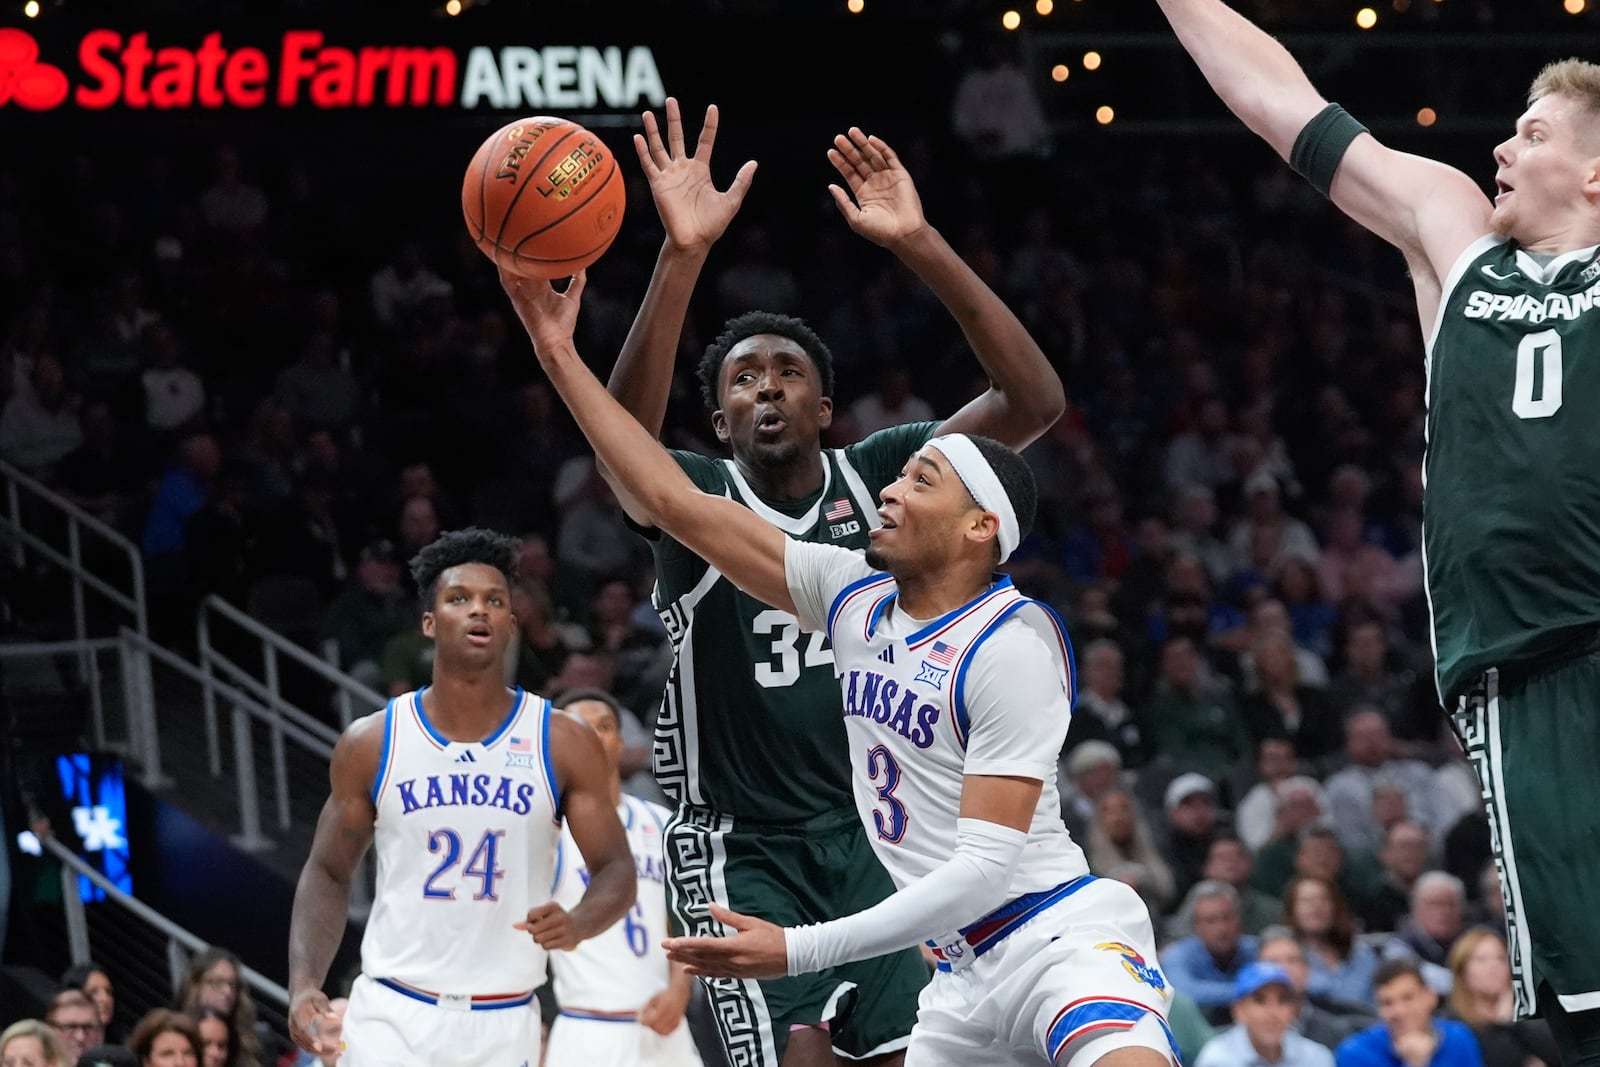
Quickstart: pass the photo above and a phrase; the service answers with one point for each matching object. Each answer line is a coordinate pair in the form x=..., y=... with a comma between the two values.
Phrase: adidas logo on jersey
x=887, y=655
x=467, y=757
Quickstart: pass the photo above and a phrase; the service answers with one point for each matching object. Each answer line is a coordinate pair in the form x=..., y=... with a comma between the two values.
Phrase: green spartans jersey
x=1511, y=512
x=750, y=724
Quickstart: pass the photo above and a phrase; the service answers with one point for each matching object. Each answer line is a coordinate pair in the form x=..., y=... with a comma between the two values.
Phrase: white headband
x=979, y=478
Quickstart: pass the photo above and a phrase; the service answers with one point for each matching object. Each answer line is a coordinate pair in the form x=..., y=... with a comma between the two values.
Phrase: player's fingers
x=729, y=917
x=708, y=134
x=641, y=148
x=741, y=183
x=674, y=128
x=652, y=137
x=574, y=289
x=870, y=147
x=847, y=206
x=882, y=148
x=850, y=154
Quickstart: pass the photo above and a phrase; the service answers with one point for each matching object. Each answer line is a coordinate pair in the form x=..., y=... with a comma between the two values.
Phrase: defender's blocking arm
x=729, y=536
x=695, y=215
x=1025, y=395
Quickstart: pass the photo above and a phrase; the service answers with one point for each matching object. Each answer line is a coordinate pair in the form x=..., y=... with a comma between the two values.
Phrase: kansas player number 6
x=1530, y=367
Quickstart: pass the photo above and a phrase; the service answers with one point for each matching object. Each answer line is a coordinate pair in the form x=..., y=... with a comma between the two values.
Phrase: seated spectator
x=613, y=626
x=1427, y=934
x=1323, y=1019
x=892, y=403
x=1350, y=568
x=1121, y=846
x=1312, y=617
x=1372, y=675
x=368, y=613
x=219, y=1045
x=1481, y=996
x=1083, y=777
x=1194, y=723
x=1230, y=861
x=214, y=978
x=108, y=474
x=1205, y=964
x=1194, y=531
x=1102, y=713
x=1360, y=814
x=166, y=1038
x=76, y=1021
x=1270, y=615
x=31, y=1043
x=1408, y=1033
x=1282, y=803
x=1281, y=705
x=1265, y=1006
x=544, y=642
x=1404, y=858
x=1341, y=965
x=39, y=427
x=174, y=395
x=1190, y=803
x=96, y=984
x=1316, y=852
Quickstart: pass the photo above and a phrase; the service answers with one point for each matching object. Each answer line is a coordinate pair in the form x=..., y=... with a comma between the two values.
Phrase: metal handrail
x=73, y=866
x=135, y=602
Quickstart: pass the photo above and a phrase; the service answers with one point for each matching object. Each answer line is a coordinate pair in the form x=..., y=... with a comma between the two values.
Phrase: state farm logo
x=303, y=69
x=31, y=84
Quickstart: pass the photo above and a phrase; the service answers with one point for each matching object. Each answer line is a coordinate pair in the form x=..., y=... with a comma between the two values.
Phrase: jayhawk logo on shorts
x=1136, y=965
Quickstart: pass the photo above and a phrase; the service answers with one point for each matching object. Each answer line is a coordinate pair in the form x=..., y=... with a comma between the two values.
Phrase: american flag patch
x=522, y=744
x=942, y=654
x=839, y=509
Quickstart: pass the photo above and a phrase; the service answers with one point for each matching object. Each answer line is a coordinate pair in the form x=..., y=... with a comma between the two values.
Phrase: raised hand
x=882, y=204
x=757, y=950
x=549, y=315
x=692, y=210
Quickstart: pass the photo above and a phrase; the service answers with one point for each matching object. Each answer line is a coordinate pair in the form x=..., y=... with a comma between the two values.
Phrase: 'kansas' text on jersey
x=466, y=838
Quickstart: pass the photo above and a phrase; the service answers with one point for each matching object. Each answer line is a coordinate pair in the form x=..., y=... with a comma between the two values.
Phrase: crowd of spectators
x=280, y=409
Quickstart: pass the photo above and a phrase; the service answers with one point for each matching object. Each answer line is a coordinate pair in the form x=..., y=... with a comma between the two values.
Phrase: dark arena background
x=250, y=361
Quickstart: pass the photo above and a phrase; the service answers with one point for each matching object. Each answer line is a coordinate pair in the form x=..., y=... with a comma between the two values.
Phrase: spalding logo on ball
x=543, y=197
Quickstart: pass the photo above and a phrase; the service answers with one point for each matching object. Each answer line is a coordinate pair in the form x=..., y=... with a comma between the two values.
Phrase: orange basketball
x=543, y=197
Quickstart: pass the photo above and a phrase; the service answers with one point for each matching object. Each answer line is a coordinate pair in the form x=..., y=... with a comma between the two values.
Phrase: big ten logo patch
x=31, y=84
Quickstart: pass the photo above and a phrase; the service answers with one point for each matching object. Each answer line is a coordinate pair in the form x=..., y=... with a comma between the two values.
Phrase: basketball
x=543, y=197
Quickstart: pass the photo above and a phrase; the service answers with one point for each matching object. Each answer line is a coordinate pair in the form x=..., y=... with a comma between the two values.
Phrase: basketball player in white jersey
x=461, y=788
x=957, y=694
x=621, y=1000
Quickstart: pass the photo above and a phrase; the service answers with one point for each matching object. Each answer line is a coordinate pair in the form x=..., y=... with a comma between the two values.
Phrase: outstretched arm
x=728, y=535
x=976, y=879
x=322, y=897
x=694, y=214
x=1429, y=211
x=1025, y=396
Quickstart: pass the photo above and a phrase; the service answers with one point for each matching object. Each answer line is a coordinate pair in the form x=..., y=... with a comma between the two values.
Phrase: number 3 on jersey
x=1538, y=358
x=885, y=775
x=786, y=669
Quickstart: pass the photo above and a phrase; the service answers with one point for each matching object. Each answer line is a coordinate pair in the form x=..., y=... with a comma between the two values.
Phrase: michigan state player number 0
x=1538, y=364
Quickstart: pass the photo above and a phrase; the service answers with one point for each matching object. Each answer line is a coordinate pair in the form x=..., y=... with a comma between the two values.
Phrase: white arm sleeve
x=971, y=883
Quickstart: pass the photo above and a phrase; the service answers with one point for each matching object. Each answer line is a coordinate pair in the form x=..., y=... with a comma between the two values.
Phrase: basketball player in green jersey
x=751, y=724
x=1508, y=292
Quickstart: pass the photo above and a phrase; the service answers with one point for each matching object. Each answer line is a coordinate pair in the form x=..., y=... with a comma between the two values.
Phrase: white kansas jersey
x=618, y=970
x=466, y=841
x=985, y=690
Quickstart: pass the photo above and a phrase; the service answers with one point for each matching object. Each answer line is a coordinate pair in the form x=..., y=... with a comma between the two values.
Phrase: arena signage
x=301, y=68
